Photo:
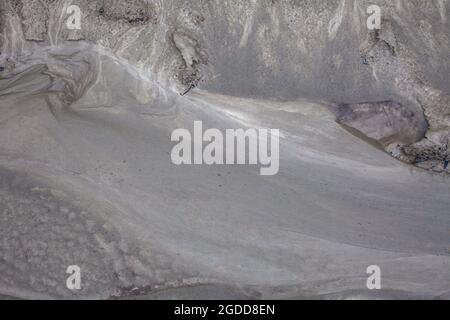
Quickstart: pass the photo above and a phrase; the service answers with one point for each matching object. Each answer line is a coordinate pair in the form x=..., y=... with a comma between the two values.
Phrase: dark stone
x=385, y=121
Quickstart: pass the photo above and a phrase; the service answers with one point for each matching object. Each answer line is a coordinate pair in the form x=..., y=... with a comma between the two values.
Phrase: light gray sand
x=85, y=171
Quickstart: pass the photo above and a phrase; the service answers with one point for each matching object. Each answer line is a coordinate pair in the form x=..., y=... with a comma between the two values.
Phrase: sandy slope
x=86, y=178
